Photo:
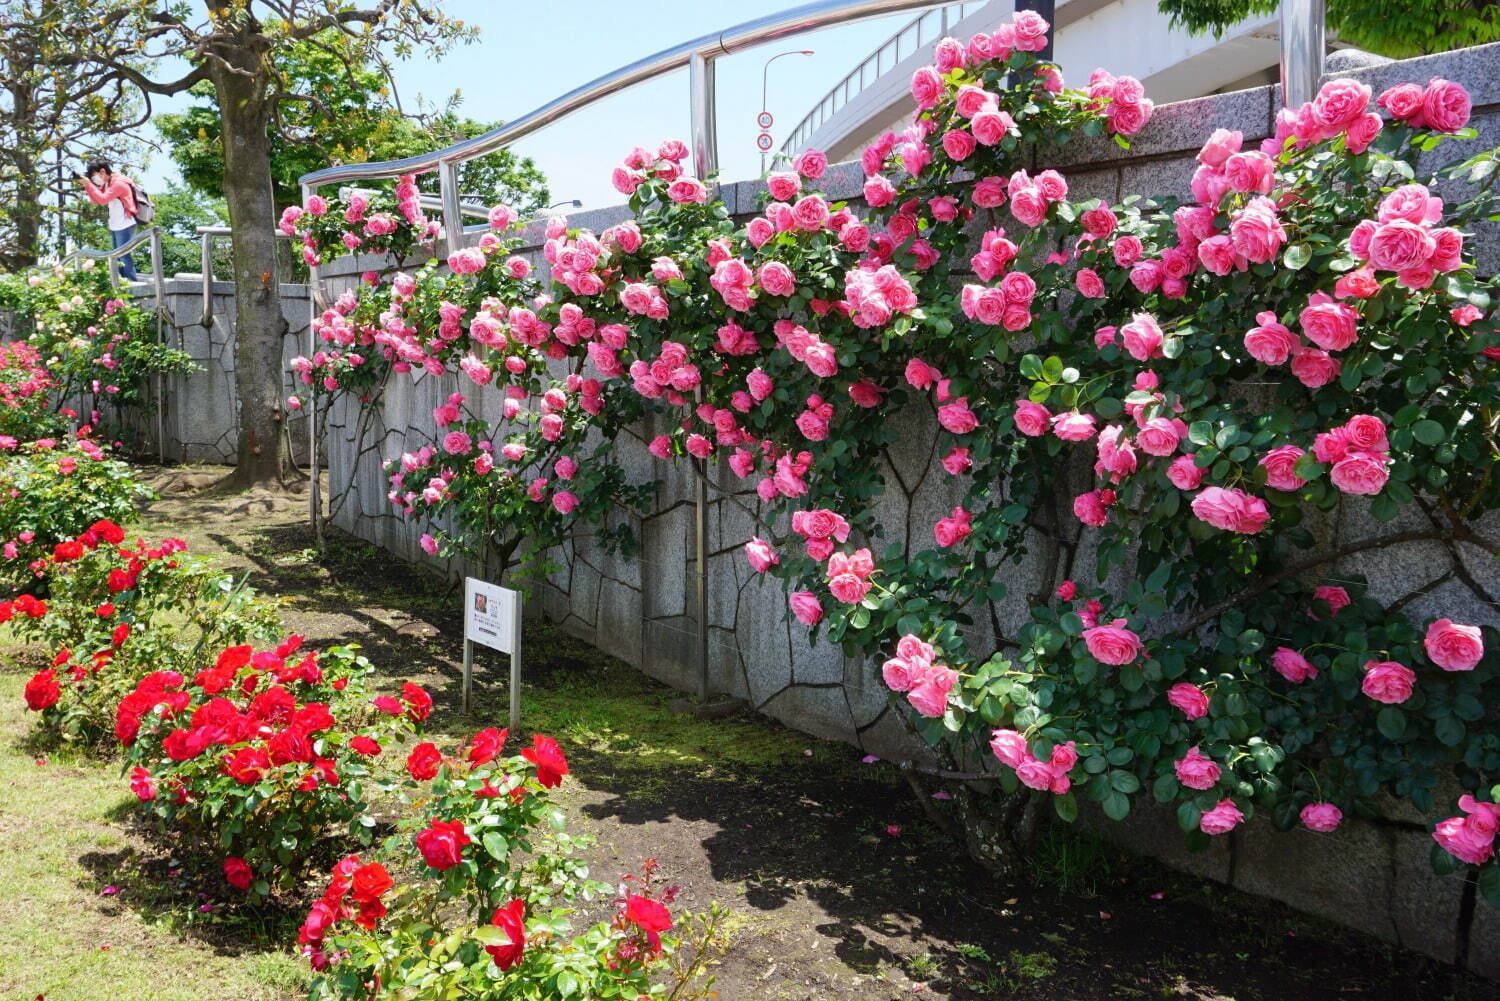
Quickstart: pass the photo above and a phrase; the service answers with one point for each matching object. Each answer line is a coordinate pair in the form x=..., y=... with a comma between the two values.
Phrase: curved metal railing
x=921, y=30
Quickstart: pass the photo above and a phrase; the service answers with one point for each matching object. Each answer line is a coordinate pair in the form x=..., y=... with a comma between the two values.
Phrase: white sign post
x=492, y=616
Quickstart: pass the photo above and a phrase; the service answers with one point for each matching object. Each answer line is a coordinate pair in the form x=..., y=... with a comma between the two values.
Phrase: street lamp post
x=764, y=73
x=574, y=202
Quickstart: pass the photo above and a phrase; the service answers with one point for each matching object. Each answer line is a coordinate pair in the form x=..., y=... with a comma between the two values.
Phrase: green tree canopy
x=1395, y=28
x=352, y=116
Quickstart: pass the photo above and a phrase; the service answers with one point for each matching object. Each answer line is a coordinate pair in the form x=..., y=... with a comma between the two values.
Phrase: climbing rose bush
x=264, y=757
x=1166, y=406
x=478, y=890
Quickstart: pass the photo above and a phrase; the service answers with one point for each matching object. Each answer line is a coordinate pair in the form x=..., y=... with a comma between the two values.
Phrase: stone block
x=1151, y=829
x=665, y=550
x=1344, y=876
x=1423, y=907
x=765, y=647
x=820, y=711
x=620, y=620
x=867, y=694
x=1484, y=941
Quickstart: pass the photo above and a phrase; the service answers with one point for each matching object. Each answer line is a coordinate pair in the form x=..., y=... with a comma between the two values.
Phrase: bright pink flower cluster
x=915, y=671
x=1470, y=838
x=1011, y=748
x=1358, y=454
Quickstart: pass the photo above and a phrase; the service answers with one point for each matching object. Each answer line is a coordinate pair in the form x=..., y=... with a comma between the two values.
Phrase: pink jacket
x=119, y=187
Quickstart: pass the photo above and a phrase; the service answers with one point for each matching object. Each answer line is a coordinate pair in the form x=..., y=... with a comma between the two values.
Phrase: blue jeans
x=120, y=238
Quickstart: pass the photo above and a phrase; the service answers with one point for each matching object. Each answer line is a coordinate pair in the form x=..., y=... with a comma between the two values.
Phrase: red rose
x=42, y=690
x=142, y=784
x=238, y=873
x=121, y=580
x=418, y=702
x=424, y=761
x=442, y=844
x=370, y=882
x=364, y=745
x=70, y=550
x=389, y=705
x=551, y=766
x=247, y=766
x=649, y=916
x=485, y=745
x=510, y=919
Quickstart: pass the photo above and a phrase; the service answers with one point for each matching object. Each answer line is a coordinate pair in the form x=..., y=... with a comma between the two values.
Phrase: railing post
x=1302, y=48
x=706, y=163
x=161, y=379
x=453, y=216
x=315, y=477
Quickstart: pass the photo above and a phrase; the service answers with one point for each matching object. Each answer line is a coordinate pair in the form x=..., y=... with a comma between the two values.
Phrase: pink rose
x=849, y=588
x=953, y=529
x=1073, y=426
x=806, y=607
x=1089, y=283
x=811, y=164
x=1361, y=473
x=1220, y=146
x=1278, y=464
x=783, y=185
x=1387, y=681
x=1329, y=324
x=1339, y=103
x=1032, y=419
x=1445, y=105
x=1113, y=644
x=1400, y=245
x=1403, y=101
x=1127, y=250
x=1314, y=368
x=1453, y=647
x=1292, y=666
x=564, y=501
x=1271, y=343
x=1470, y=838
x=1196, y=771
x=1188, y=698
x=929, y=696
x=1142, y=337
x=1257, y=231
x=777, y=279
x=1222, y=819
x=1184, y=473
x=1250, y=171
x=1231, y=510
x=956, y=417
x=1092, y=508
x=760, y=554
x=958, y=144
x=1363, y=131
x=1321, y=817
x=1158, y=436
x=1146, y=276
x=1009, y=747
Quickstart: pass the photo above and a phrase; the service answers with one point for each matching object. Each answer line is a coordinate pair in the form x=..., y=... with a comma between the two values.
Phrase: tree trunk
x=259, y=324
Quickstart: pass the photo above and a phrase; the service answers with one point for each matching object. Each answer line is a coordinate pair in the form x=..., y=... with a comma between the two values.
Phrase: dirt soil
x=839, y=886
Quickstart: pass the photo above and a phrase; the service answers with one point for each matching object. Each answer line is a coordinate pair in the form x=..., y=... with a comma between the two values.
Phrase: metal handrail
x=885, y=56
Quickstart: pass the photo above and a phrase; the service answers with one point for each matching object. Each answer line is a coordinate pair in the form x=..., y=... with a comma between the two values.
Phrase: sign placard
x=489, y=614
x=492, y=616
x=764, y=142
x=764, y=120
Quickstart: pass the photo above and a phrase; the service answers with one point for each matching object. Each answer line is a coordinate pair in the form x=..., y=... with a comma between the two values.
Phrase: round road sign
x=764, y=120
x=764, y=142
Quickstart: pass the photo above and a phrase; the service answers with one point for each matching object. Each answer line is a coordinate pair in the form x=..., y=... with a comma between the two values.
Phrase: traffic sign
x=764, y=120
x=764, y=142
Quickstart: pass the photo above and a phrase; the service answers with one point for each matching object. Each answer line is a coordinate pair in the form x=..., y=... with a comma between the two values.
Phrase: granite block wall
x=1372, y=875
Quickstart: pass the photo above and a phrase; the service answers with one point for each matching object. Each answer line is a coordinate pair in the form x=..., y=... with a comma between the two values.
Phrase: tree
x=234, y=45
x=1396, y=28
x=358, y=118
x=53, y=113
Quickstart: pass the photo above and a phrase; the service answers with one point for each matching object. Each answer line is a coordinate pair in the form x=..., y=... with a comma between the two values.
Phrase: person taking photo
x=114, y=190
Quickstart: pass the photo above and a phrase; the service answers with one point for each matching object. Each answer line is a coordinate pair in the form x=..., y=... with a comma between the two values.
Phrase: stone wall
x=1372, y=875
x=200, y=416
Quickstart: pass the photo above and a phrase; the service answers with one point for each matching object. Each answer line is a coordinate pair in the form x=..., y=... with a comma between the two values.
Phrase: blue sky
x=528, y=54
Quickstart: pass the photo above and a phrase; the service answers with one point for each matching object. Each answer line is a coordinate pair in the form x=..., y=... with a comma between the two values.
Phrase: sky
x=528, y=54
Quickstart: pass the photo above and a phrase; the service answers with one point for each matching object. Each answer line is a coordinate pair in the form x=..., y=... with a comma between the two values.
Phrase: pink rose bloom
x=806, y=607
x=1333, y=596
x=1271, y=343
x=1314, y=368
x=687, y=190
x=1329, y=324
x=1387, y=681
x=879, y=192
x=810, y=213
x=1231, y=510
x=760, y=554
x=1361, y=473
x=900, y=673
x=429, y=544
x=811, y=164
x=1321, y=817
x=1185, y=474
x=926, y=87
x=1453, y=647
x=1400, y=245
x=1127, y=250
x=920, y=374
x=1403, y=101
x=958, y=462
x=1113, y=644
x=783, y=186
x=1089, y=283
x=1196, y=771
x=1142, y=337
x=1292, y=666
x=1471, y=838
x=848, y=588
x=1216, y=254
x=1073, y=426
x=1092, y=508
x=1339, y=103
x=565, y=501
x=953, y=529
x=1278, y=463
x=958, y=144
x=1250, y=171
x=1009, y=747
x=1412, y=202
x=1363, y=131
x=777, y=279
x=1028, y=205
x=1445, y=105
x=1257, y=231
x=1032, y=419
x=1189, y=698
x=929, y=696
x=1222, y=819
x=1220, y=146
x=956, y=417
x=1158, y=436
x=1360, y=284
x=457, y=443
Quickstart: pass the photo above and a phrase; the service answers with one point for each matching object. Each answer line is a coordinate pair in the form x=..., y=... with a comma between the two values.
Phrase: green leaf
x=1165, y=788
x=1297, y=256
x=1489, y=884
x=1031, y=367
x=1449, y=730
x=1188, y=816
x=1066, y=807
x=1117, y=806
x=1124, y=782
x=1429, y=432
x=1391, y=722
x=494, y=842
